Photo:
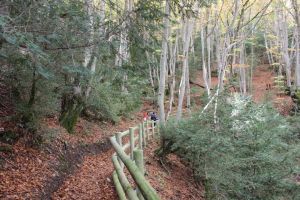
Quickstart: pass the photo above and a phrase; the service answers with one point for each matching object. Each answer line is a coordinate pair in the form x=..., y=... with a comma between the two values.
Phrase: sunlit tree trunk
x=269, y=53
x=188, y=26
x=296, y=8
x=204, y=69
x=242, y=68
x=173, y=60
x=209, y=47
x=284, y=43
x=163, y=65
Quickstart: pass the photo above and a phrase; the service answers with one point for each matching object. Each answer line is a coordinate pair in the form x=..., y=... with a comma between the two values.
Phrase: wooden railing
x=128, y=146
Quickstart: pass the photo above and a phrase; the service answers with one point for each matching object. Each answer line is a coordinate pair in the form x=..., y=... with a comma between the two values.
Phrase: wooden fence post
x=153, y=122
x=139, y=161
x=140, y=136
x=148, y=131
x=131, y=135
x=119, y=140
x=144, y=134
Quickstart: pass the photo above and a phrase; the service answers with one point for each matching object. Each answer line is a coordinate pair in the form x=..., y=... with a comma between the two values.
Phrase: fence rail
x=128, y=146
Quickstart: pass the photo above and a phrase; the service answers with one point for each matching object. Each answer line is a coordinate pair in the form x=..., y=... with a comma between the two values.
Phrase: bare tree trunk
x=163, y=65
x=243, y=82
x=284, y=43
x=209, y=60
x=268, y=50
x=173, y=60
x=204, y=69
x=88, y=50
x=297, y=20
x=187, y=30
x=188, y=90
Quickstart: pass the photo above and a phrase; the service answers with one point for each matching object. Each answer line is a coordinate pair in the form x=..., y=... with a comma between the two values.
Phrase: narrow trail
x=92, y=180
x=261, y=77
x=92, y=177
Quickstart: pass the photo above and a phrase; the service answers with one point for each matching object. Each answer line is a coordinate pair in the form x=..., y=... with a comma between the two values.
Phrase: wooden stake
x=131, y=134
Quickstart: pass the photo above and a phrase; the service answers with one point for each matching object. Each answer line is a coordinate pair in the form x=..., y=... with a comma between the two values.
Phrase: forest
x=150, y=99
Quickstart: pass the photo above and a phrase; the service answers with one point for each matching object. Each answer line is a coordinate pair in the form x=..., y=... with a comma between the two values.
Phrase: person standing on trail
x=153, y=117
x=145, y=116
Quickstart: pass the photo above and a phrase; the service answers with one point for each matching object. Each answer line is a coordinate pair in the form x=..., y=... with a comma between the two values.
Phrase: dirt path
x=92, y=177
x=261, y=77
x=92, y=180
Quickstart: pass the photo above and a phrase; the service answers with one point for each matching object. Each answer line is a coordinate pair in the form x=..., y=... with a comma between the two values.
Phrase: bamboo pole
x=147, y=190
x=157, y=128
x=140, y=136
x=144, y=134
x=118, y=186
x=153, y=129
x=147, y=129
x=123, y=180
x=119, y=140
x=139, y=161
x=131, y=134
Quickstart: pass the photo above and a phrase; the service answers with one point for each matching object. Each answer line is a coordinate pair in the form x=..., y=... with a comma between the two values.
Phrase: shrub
x=251, y=153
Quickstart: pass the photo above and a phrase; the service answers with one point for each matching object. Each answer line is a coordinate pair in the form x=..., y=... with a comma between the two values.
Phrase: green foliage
x=42, y=51
x=107, y=103
x=8, y=137
x=251, y=153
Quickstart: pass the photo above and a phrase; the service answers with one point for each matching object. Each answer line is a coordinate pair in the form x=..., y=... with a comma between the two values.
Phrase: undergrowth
x=251, y=152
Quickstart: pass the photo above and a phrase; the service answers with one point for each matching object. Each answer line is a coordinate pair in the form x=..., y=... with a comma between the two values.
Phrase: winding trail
x=92, y=177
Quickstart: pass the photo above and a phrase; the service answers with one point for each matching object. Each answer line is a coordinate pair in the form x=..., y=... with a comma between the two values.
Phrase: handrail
x=133, y=161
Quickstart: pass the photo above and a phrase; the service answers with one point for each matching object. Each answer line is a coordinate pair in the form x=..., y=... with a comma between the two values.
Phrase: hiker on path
x=145, y=116
x=153, y=117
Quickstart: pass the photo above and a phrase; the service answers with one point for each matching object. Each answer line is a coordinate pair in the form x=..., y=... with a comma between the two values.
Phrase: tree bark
x=163, y=65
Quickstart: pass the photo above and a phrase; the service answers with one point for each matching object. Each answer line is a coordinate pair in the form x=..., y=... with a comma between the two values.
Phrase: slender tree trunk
x=284, y=43
x=268, y=50
x=182, y=86
x=163, y=65
x=297, y=20
x=173, y=74
x=188, y=90
x=204, y=69
x=209, y=60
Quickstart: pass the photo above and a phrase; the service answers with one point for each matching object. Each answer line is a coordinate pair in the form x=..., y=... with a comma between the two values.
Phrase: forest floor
x=78, y=166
